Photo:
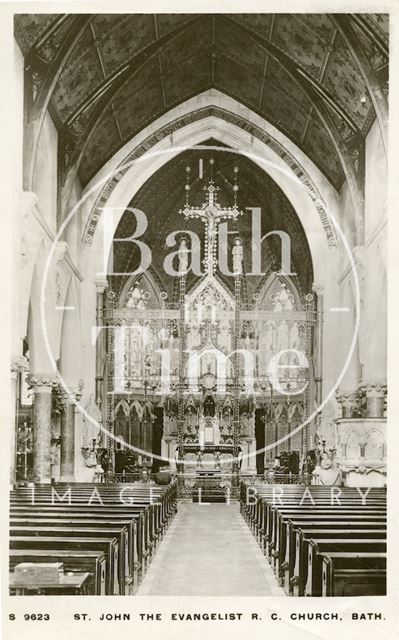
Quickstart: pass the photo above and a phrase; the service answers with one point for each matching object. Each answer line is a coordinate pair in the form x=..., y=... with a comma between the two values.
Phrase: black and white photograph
x=199, y=311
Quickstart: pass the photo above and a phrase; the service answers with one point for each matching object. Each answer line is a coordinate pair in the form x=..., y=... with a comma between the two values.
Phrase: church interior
x=200, y=304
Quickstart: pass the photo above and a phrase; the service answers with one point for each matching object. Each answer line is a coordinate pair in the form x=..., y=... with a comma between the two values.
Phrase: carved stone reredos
x=210, y=291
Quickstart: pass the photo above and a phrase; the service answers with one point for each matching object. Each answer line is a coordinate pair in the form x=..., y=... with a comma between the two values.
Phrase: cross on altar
x=211, y=213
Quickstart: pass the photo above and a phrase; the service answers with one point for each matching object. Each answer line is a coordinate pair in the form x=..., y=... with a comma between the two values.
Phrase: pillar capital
x=376, y=389
x=71, y=394
x=318, y=288
x=348, y=401
x=18, y=365
x=375, y=392
x=42, y=382
x=101, y=284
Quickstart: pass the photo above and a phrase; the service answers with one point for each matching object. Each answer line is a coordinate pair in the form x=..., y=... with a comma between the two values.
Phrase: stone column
x=375, y=399
x=42, y=387
x=318, y=351
x=101, y=285
x=18, y=365
x=348, y=401
x=67, y=433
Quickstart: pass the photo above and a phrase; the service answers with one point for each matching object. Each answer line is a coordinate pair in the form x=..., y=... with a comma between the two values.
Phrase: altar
x=208, y=458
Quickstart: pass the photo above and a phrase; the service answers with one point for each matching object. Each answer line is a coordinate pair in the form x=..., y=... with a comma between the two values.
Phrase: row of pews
x=107, y=533
x=319, y=540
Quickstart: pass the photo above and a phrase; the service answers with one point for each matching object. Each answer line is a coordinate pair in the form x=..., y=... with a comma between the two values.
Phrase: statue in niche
x=244, y=424
x=209, y=407
x=183, y=256
x=238, y=253
x=225, y=334
x=195, y=335
x=199, y=459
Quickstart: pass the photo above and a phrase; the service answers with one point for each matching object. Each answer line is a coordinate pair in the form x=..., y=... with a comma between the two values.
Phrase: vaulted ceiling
x=163, y=195
x=105, y=77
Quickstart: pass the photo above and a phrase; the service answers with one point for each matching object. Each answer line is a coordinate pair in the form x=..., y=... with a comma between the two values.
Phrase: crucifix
x=211, y=213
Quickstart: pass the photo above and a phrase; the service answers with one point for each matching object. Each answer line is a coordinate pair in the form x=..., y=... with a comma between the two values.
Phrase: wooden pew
x=256, y=516
x=148, y=512
x=347, y=575
x=74, y=531
x=317, y=547
x=285, y=530
x=94, y=562
x=80, y=497
x=133, y=574
x=138, y=514
x=277, y=529
x=304, y=536
x=109, y=546
x=290, y=569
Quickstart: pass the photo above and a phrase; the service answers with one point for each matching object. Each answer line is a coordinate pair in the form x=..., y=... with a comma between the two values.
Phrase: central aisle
x=209, y=551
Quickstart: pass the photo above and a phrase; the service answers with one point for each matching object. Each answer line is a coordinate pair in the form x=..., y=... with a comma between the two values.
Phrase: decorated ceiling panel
x=374, y=56
x=190, y=78
x=82, y=73
x=379, y=22
x=123, y=41
x=192, y=42
x=167, y=22
x=259, y=23
x=318, y=141
x=343, y=80
x=231, y=77
x=124, y=71
x=107, y=134
x=318, y=23
x=30, y=26
x=300, y=42
x=138, y=108
x=232, y=42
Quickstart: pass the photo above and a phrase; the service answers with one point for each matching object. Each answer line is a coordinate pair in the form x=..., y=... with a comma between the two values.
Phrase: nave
x=86, y=539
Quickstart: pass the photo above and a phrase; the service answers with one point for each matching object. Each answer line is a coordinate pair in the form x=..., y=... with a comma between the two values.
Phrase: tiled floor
x=209, y=551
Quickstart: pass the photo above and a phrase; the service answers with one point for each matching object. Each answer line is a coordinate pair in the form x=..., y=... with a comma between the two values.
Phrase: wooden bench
x=291, y=569
x=133, y=573
x=120, y=533
x=92, y=562
x=292, y=526
x=276, y=535
x=109, y=546
x=318, y=547
x=136, y=522
x=347, y=575
x=90, y=512
x=80, y=497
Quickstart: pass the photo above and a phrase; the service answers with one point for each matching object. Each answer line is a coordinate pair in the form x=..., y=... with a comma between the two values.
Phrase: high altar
x=187, y=381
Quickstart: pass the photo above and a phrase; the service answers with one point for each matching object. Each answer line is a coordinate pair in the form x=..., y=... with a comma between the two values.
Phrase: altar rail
x=224, y=487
